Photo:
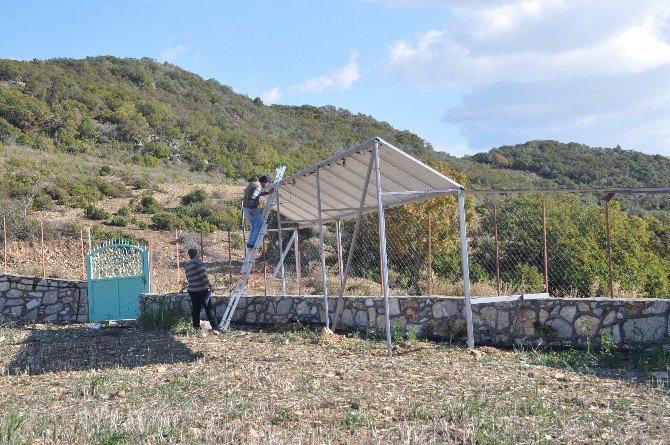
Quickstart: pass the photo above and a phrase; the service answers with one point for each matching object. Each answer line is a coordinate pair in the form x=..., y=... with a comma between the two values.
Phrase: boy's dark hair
x=192, y=252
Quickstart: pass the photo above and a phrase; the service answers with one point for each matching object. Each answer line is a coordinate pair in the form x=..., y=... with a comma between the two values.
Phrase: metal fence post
x=176, y=236
x=4, y=242
x=83, y=258
x=265, y=270
x=202, y=248
x=495, y=237
x=151, y=264
x=430, y=253
x=230, y=258
x=608, y=198
x=298, y=262
x=44, y=267
x=546, y=252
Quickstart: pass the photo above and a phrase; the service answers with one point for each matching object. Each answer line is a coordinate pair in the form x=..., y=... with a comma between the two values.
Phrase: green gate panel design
x=118, y=272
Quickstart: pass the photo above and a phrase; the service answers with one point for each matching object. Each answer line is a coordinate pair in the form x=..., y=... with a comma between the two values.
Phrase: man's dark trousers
x=199, y=300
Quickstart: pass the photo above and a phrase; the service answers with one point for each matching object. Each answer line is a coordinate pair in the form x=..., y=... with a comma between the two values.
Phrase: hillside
x=576, y=165
x=137, y=148
x=160, y=118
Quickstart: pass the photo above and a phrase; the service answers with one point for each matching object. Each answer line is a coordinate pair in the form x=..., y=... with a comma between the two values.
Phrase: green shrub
x=118, y=221
x=123, y=211
x=196, y=196
x=94, y=213
x=105, y=170
x=166, y=221
x=148, y=204
x=141, y=225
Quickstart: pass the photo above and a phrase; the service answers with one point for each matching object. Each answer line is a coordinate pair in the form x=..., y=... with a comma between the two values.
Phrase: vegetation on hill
x=77, y=132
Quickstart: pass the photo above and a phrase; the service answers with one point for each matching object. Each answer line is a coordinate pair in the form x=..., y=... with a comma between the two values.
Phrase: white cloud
x=590, y=71
x=631, y=110
x=534, y=40
x=271, y=96
x=171, y=54
x=340, y=79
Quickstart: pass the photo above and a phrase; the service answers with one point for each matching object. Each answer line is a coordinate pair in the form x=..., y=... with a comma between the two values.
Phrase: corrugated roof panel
x=343, y=179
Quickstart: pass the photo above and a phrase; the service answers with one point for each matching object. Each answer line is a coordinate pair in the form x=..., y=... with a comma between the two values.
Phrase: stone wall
x=29, y=300
x=558, y=322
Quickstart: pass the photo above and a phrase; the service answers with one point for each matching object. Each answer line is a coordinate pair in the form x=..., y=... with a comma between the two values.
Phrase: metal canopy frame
x=337, y=189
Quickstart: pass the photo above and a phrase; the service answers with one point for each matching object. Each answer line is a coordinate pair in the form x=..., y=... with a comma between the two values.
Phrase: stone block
x=53, y=309
x=302, y=308
x=32, y=304
x=50, y=297
x=560, y=327
x=444, y=308
x=489, y=316
x=347, y=317
x=586, y=326
x=656, y=308
x=394, y=306
x=14, y=293
x=15, y=302
x=609, y=318
x=372, y=316
x=4, y=286
x=503, y=320
x=645, y=330
x=568, y=313
x=30, y=316
x=361, y=318
x=284, y=307
x=2, y=303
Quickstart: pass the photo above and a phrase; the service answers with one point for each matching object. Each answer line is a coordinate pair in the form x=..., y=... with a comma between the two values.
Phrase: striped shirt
x=196, y=276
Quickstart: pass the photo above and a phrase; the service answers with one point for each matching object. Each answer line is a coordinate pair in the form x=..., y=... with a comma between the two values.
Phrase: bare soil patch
x=73, y=384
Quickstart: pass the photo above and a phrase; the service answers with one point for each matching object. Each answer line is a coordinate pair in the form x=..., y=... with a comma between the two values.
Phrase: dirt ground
x=74, y=384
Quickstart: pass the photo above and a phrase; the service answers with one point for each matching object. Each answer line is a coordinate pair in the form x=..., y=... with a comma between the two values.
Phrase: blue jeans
x=255, y=218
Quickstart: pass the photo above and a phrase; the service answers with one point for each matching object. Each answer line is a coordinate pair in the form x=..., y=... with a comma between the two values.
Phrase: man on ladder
x=258, y=230
x=250, y=206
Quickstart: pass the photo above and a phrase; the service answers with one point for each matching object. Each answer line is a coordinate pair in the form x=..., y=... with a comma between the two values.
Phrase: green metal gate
x=118, y=272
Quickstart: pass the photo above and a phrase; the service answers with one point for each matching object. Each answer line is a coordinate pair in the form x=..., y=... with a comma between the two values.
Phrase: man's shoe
x=250, y=246
x=219, y=329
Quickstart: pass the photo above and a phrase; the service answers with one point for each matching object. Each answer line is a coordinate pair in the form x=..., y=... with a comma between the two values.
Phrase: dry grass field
x=133, y=384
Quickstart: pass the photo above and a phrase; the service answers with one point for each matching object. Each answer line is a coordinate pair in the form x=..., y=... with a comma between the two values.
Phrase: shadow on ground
x=81, y=348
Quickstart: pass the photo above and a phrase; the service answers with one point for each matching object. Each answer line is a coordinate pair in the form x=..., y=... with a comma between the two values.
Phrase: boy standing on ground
x=250, y=207
x=200, y=290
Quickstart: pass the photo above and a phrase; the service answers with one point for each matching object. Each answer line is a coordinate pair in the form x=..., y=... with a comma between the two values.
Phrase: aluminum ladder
x=251, y=253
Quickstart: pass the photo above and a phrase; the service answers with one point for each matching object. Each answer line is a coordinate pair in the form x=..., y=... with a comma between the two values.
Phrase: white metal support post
x=323, y=252
x=296, y=253
x=466, y=270
x=281, y=247
x=354, y=237
x=382, y=239
x=338, y=236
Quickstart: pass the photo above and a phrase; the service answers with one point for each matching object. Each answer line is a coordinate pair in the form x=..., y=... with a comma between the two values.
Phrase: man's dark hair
x=264, y=179
x=192, y=252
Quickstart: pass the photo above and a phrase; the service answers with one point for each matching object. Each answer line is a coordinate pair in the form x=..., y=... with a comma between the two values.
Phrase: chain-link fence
x=518, y=243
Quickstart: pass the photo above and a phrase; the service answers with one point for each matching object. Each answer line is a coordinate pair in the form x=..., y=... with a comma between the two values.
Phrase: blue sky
x=466, y=76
